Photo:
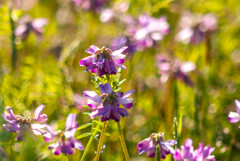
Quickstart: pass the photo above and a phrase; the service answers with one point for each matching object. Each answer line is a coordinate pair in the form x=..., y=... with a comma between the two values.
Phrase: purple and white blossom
x=124, y=41
x=26, y=24
x=148, y=30
x=21, y=125
x=235, y=116
x=187, y=152
x=107, y=105
x=149, y=145
x=193, y=28
x=174, y=68
x=103, y=61
x=93, y=5
x=65, y=140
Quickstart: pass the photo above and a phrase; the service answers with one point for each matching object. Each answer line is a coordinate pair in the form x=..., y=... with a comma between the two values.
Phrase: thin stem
x=14, y=54
x=101, y=141
x=124, y=147
x=90, y=142
x=158, y=154
x=175, y=105
x=22, y=151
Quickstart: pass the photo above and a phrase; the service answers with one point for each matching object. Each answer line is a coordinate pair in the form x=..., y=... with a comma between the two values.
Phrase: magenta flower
x=65, y=139
x=107, y=106
x=103, y=61
x=235, y=116
x=22, y=125
x=150, y=144
x=194, y=27
x=168, y=67
x=94, y=5
x=148, y=30
x=26, y=25
x=187, y=152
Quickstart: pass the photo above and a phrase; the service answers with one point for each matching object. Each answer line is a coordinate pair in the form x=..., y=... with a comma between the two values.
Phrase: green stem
x=124, y=147
x=175, y=105
x=90, y=142
x=14, y=54
x=101, y=141
x=158, y=154
x=22, y=151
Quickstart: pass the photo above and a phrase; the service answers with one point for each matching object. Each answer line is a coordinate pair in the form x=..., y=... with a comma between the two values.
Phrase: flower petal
x=92, y=49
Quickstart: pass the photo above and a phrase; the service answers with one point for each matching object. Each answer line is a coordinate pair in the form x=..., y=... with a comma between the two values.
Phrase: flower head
x=20, y=124
x=107, y=105
x=103, y=61
x=26, y=24
x=193, y=28
x=65, y=139
x=187, y=152
x=150, y=144
x=93, y=5
x=168, y=67
x=235, y=116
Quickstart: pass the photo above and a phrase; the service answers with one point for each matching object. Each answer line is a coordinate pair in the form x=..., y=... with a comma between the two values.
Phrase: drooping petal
x=237, y=103
x=92, y=95
x=86, y=61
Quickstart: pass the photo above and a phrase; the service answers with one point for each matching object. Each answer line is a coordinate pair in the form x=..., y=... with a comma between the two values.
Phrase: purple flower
x=107, y=106
x=148, y=31
x=116, y=12
x=187, y=152
x=20, y=124
x=174, y=68
x=235, y=116
x=103, y=61
x=94, y=5
x=194, y=27
x=150, y=144
x=124, y=41
x=66, y=141
x=26, y=25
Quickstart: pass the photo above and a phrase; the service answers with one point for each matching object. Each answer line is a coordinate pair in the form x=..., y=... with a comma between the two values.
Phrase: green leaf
x=84, y=135
x=180, y=123
x=106, y=133
x=84, y=126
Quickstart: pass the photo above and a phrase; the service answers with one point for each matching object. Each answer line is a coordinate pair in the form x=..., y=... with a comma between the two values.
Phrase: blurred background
x=42, y=42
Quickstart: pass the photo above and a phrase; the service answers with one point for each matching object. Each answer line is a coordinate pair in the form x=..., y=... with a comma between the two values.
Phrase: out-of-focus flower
x=22, y=125
x=65, y=140
x=168, y=67
x=24, y=4
x=116, y=12
x=194, y=27
x=150, y=144
x=149, y=30
x=107, y=105
x=26, y=24
x=124, y=41
x=235, y=116
x=93, y=5
x=103, y=61
x=187, y=152
x=79, y=101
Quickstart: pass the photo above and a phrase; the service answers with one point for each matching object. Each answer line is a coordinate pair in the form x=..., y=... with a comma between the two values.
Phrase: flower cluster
x=141, y=33
x=103, y=61
x=150, y=144
x=193, y=28
x=65, y=139
x=26, y=24
x=22, y=125
x=107, y=105
x=187, y=152
x=92, y=5
x=174, y=68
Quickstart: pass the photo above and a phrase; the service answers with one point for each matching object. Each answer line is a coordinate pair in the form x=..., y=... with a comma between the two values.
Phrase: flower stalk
x=158, y=154
x=101, y=141
x=124, y=147
x=90, y=142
